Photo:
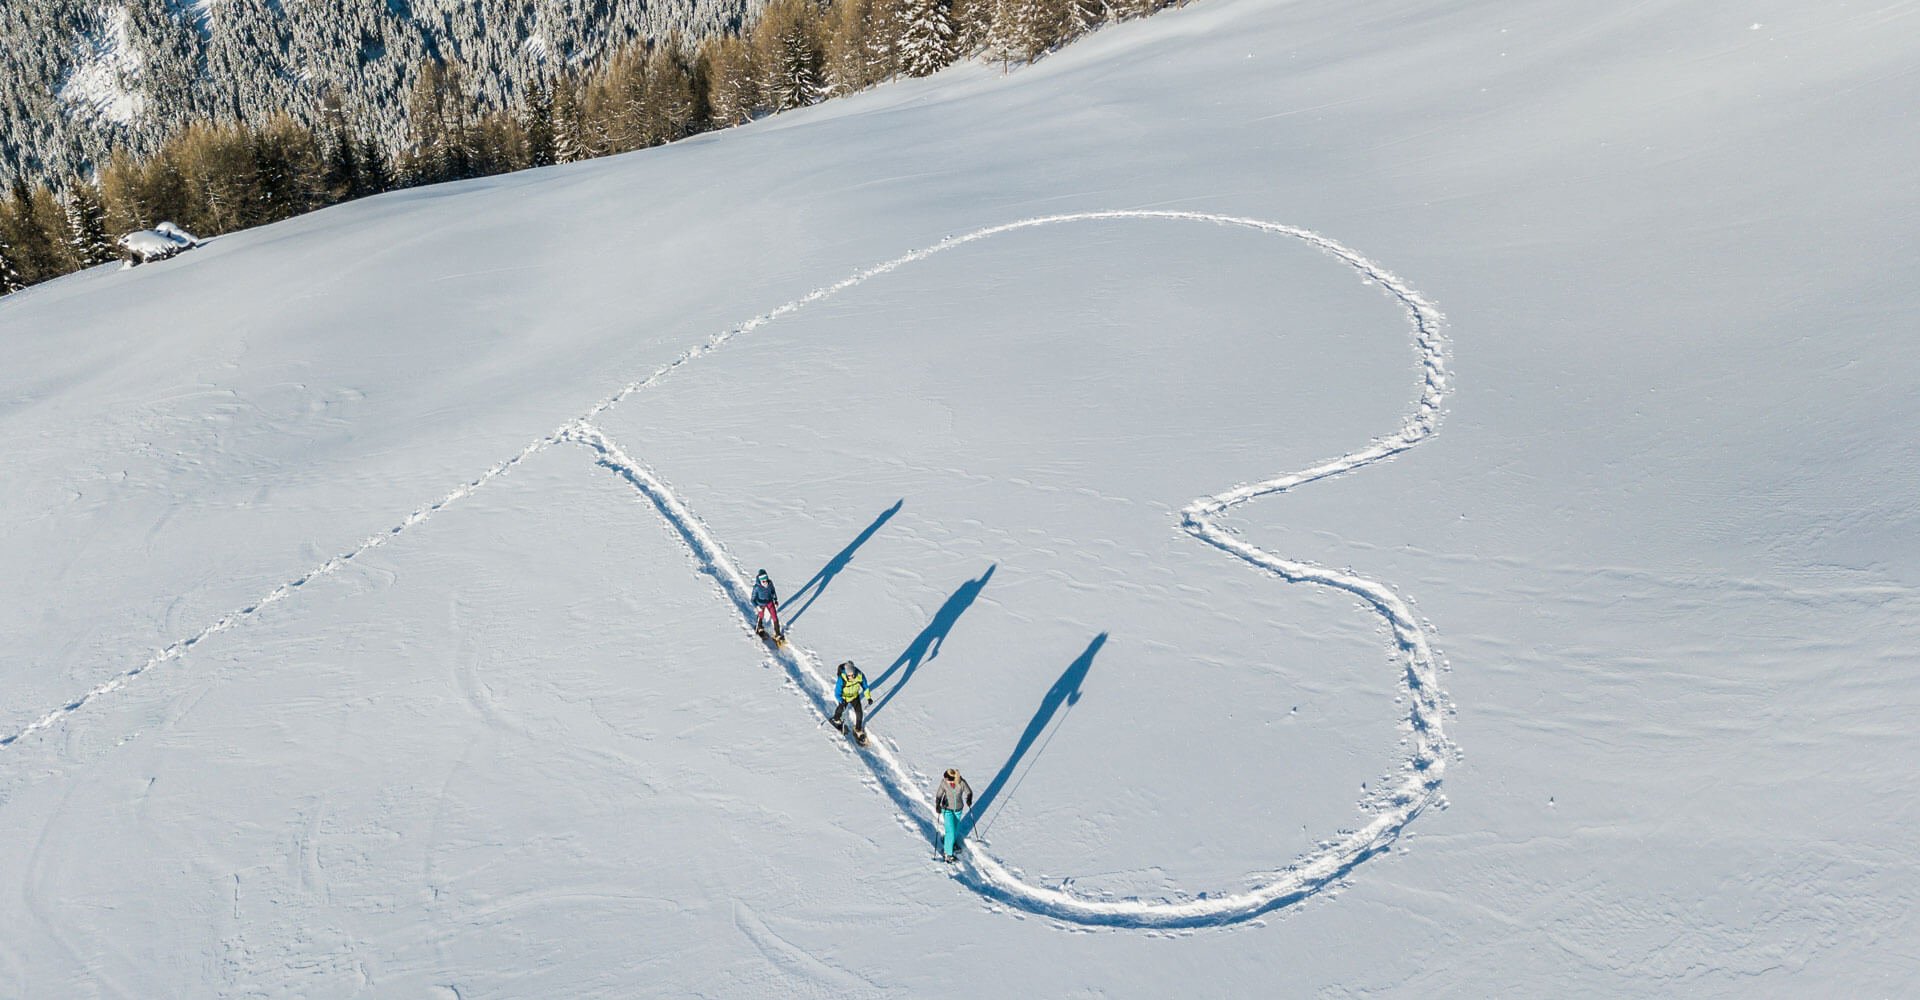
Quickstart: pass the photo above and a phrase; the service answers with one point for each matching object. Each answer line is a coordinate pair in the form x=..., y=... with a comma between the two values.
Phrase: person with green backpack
x=854, y=690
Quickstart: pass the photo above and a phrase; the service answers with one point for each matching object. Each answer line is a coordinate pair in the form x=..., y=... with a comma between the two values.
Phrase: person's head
x=952, y=776
x=762, y=575
x=846, y=667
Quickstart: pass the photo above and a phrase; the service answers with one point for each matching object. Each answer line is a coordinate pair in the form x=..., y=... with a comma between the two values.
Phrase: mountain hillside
x=79, y=78
x=1405, y=498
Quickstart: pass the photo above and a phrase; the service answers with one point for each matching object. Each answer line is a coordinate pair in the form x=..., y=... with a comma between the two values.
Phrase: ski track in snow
x=1427, y=747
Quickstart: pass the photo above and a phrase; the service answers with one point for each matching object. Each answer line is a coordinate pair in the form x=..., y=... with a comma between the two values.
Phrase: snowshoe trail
x=1427, y=748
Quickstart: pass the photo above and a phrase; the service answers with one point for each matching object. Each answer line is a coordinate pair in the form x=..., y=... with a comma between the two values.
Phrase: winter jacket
x=956, y=797
x=763, y=593
x=853, y=684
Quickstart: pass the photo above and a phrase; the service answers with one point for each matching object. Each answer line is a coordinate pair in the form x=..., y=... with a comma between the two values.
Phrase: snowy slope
x=521, y=744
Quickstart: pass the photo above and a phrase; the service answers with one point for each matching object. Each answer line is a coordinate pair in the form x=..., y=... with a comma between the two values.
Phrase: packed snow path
x=1427, y=747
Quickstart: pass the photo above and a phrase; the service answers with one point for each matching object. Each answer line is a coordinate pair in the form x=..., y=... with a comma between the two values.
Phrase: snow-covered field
x=373, y=605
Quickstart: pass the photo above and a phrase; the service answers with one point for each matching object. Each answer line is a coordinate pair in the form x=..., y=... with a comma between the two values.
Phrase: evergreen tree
x=537, y=121
x=972, y=24
x=287, y=170
x=10, y=280
x=375, y=175
x=568, y=146
x=87, y=227
x=926, y=39
x=1024, y=30
x=791, y=55
x=340, y=176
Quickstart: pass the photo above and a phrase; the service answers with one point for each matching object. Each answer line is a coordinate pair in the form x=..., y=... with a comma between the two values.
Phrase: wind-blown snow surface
x=524, y=747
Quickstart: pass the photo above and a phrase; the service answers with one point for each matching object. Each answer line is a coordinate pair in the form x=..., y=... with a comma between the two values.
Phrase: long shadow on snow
x=818, y=584
x=926, y=645
x=1065, y=691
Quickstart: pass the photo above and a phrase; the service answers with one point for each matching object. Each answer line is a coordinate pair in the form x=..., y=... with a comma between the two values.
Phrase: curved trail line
x=1428, y=748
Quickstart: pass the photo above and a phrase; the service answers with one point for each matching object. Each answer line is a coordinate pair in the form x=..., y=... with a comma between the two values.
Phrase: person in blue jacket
x=766, y=604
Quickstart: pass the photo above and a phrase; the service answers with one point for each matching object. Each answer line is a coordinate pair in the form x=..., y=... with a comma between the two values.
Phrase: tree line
x=215, y=178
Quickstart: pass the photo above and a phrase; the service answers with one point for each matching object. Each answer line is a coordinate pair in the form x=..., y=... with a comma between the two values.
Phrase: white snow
x=159, y=243
x=380, y=624
x=105, y=80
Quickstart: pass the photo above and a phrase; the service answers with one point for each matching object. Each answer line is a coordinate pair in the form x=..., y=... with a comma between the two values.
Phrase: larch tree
x=34, y=223
x=439, y=114
x=668, y=110
x=733, y=80
x=847, y=40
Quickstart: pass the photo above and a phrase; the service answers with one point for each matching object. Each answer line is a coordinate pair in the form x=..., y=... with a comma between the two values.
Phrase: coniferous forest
x=223, y=173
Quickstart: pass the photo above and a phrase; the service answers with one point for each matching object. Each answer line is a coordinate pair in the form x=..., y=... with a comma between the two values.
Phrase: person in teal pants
x=953, y=797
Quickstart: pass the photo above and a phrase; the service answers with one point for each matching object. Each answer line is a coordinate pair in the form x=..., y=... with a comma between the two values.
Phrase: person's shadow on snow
x=817, y=585
x=926, y=645
x=1065, y=691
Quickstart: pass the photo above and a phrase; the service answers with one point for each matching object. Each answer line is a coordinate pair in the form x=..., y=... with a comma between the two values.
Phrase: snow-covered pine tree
x=972, y=24
x=886, y=23
x=926, y=39
x=791, y=54
x=536, y=118
x=10, y=280
x=1085, y=15
x=87, y=227
x=1024, y=30
x=567, y=144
